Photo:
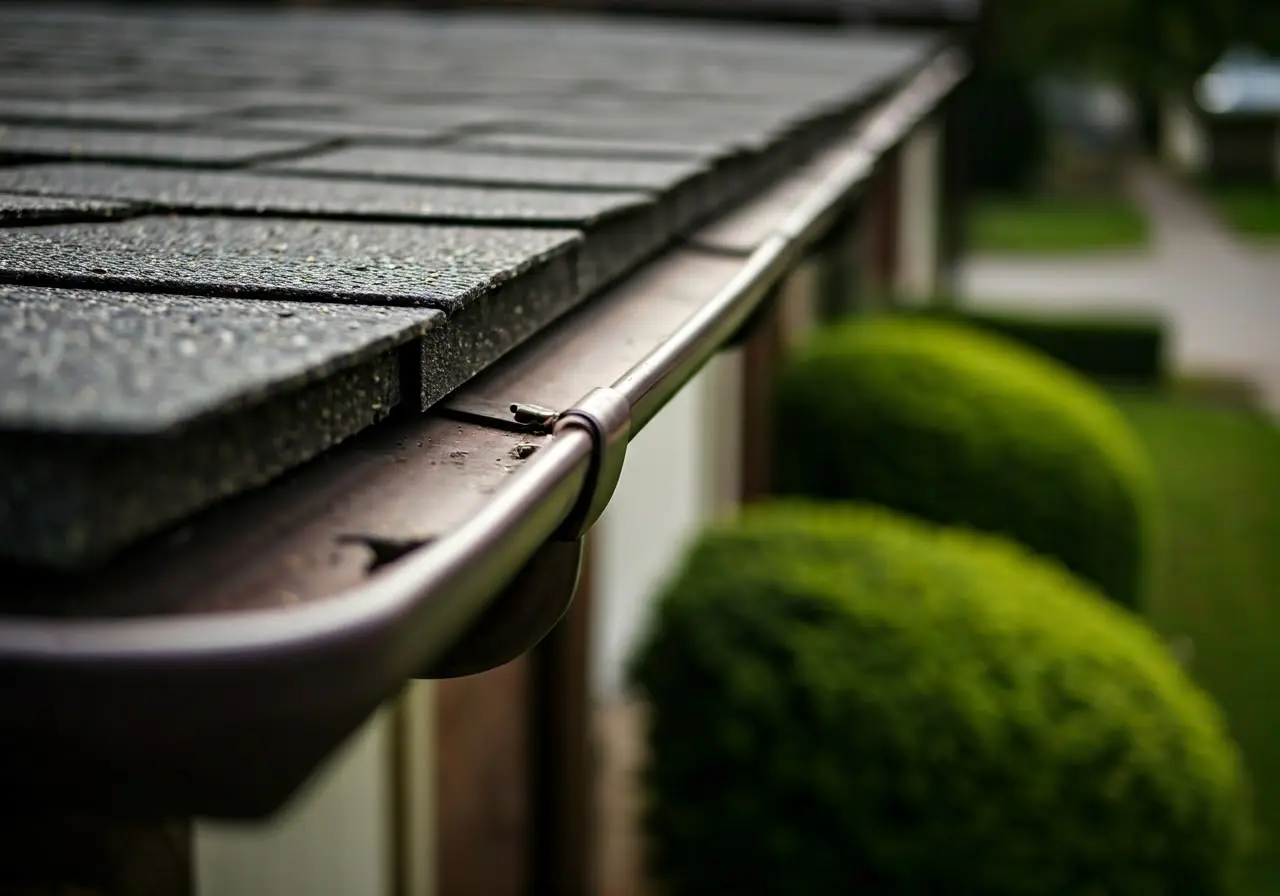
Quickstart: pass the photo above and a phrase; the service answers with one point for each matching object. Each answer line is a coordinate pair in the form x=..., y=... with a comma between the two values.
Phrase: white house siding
x=680, y=472
x=683, y=471
x=919, y=227
x=334, y=839
x=416, y=794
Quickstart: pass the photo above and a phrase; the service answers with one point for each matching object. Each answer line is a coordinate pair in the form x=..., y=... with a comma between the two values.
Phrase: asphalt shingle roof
x=229, y=240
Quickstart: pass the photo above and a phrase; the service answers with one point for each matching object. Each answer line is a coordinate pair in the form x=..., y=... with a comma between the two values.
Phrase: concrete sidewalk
x=1221, y=295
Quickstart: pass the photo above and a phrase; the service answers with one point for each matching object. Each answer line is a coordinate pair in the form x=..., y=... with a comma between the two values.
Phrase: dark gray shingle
x=83, y=143
x=16, y=207
x=383, y=264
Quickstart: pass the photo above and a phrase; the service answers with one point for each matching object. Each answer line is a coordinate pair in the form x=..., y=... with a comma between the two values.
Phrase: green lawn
x=1253, y=213
x=1052, y=226
x=1217, y=581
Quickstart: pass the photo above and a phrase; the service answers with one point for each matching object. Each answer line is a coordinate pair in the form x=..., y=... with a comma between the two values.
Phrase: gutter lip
x=56, y=675
x=652, y=383
x=385, y=598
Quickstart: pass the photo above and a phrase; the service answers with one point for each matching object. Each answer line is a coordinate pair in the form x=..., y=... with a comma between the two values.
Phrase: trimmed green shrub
x=844, y=700
x=1129, y=349
x=962, y=427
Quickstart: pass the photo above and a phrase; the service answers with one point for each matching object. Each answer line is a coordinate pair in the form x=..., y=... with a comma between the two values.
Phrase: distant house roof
x=1244, y=82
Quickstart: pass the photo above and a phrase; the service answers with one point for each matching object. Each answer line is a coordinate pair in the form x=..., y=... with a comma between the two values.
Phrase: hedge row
x=1123, y=349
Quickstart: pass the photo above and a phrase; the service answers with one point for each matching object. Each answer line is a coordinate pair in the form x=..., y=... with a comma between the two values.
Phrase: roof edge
x=102, y=692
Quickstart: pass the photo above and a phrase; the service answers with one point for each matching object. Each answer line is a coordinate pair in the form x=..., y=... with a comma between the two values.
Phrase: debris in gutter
x=385, y=550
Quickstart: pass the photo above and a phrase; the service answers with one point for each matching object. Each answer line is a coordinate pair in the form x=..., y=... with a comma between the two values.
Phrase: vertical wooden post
x=954, y=200
x=414, y=762
x=879, y=233
x=919, y=222
x=787, y=319
x=761, y=354
x=839, y=263
x=484, y=815
x=563, y=843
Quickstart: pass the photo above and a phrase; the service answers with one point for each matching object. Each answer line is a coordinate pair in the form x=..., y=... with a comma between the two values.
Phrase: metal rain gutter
x=119, y=695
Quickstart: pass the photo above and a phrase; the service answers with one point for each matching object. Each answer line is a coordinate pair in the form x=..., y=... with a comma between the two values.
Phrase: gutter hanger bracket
x=536, y=600
x=605, y=414
x=512, y=416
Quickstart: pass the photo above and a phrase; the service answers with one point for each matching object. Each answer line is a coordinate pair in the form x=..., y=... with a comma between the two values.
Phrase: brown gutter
x=226, y=712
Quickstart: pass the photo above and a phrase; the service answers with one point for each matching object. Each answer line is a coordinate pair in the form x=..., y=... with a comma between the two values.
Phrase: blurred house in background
x=1239, y=111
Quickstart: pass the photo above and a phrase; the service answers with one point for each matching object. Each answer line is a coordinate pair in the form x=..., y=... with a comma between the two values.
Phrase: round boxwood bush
x=845, y=700
x=962, y=427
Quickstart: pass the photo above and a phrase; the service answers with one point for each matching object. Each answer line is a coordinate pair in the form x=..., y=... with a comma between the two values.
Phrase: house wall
x=365, y=825
x=432, y=796
x=919, y=222
x=684, y=470
x=681, y=471
x=414, y=761
x=692, y=464
x=335, y=839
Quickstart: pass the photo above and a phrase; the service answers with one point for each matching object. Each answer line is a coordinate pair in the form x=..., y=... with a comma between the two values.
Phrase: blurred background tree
x=1145, y=44
x=1153, y=49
